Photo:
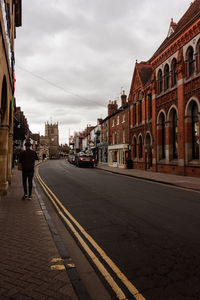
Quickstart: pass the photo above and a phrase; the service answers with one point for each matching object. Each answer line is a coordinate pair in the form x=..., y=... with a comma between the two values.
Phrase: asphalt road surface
x=150, y=231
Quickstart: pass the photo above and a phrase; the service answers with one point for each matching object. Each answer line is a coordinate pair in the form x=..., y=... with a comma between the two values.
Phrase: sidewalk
x=176, y=180
x=30, y=261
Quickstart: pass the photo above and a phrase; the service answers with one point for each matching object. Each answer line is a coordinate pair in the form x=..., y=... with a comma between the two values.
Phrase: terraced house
x=10, y=18
x=165, y=101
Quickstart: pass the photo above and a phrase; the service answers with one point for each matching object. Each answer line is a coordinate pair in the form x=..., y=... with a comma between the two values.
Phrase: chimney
x=99, y=121
x=112, y=107
x=123, y=98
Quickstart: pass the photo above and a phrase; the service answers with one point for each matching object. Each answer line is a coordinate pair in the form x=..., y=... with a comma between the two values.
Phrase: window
x=174, y=72
x=113, y=123
x=174, y=134
x=135, y=114
x=162, y=136
x=117, y=137
x=134, y=147
x=195, y=131
x=140, y=147
x=124, y=136
x=117, y=120
x=113, y=138
x=150, y=106
x=160, y=81
x=140, y=111
x=198, y=56
x=166, y=76
x=140, y=107
x=190, y=62
x=123, y=118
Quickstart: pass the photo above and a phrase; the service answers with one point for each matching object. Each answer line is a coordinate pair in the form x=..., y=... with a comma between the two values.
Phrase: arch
x=4, y=101
x=169, y=111
x=190, y=61
x=188, y=105
x=158, y=116
x=173, y=72
x=166, y=77
x=192, y=115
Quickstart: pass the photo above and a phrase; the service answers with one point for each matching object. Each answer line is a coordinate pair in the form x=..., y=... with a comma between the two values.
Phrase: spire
x=172, y=27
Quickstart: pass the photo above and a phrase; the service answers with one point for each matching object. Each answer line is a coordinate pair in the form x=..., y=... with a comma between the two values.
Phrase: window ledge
x=174, y=162
x=194, y=162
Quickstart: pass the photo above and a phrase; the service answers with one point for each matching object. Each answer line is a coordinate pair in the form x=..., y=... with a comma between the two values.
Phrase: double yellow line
x=69, y=220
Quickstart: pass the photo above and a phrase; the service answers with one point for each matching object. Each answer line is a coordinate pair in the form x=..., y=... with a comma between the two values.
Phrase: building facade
x=165, y=102
x=118, y=149
x=10, y=18
x=49, y=143
x=51, y=131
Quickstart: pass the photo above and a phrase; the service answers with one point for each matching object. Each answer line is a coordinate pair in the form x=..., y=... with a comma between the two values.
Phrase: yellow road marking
x=107, y=276
x=56, y=259
x=58, y=267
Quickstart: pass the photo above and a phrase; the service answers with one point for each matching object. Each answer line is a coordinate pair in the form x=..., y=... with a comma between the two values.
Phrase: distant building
x=49, y=144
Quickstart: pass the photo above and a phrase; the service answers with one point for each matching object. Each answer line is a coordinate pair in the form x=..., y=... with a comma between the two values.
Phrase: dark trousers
x=27, y=175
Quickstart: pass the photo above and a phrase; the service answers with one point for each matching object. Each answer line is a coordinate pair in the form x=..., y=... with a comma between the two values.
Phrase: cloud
x=73, y=56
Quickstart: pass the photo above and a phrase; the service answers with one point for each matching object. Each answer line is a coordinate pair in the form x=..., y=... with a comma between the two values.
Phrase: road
x=149, y=230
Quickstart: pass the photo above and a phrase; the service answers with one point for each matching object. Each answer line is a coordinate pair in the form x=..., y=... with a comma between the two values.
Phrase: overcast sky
x=72, y=56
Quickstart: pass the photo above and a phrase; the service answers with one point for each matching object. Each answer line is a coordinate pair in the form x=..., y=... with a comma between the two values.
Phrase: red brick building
x=114, y=138
x=165, y=101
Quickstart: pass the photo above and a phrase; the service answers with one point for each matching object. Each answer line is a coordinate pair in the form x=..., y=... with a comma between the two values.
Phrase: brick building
x=165, y=101
x=114, y=138
x=10, y=18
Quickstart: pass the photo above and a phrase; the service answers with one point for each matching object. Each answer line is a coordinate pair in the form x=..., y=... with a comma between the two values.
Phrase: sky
x=73, y=56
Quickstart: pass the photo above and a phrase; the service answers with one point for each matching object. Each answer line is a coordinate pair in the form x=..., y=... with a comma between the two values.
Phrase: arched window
x=135, y=114
x=174, y=72
x=140, y=111
x=195, y=131
x=134, y=147
x=166, y=76
x=140, y=147
x=174, y=134
x=190, y=62
x=162, y=118
x=198, y=56
x=160, y=81
x=149, y=106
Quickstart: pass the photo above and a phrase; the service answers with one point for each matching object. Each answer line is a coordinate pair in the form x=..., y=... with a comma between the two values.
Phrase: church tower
x=51, y=131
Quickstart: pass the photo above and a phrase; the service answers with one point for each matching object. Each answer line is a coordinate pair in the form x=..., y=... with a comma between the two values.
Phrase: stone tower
x=51, y=131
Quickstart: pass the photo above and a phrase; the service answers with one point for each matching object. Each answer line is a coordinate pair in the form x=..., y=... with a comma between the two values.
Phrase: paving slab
x=27, y=269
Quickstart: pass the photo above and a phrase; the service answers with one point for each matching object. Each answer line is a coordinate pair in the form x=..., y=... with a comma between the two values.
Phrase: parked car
x=71, y=159
x=84, y=159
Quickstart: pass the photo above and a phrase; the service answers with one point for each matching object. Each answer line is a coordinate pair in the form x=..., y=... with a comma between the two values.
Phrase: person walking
x=27, y=159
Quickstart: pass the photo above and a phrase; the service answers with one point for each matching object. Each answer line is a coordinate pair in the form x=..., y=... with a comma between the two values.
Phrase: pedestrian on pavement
x=27, y=159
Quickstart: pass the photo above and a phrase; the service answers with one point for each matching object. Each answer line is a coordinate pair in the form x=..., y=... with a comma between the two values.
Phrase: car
x=84, y=159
